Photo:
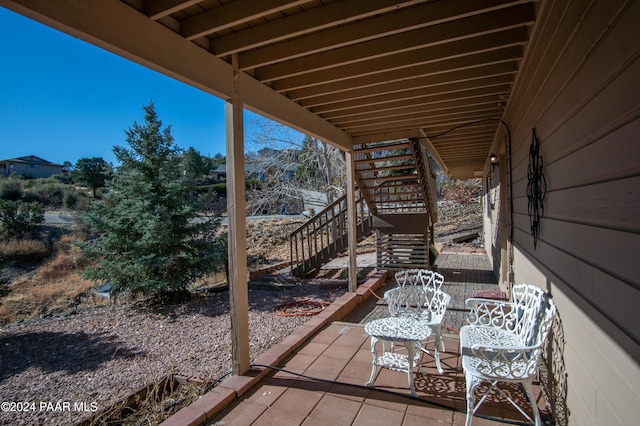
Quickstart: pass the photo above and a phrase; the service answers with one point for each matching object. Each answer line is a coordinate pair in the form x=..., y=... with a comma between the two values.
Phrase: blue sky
x=63, y=99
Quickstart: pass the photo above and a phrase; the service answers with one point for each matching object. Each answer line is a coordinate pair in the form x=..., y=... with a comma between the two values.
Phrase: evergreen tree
x=93, y=172
x=217, y=160
x=151, y=237
x=194, y=163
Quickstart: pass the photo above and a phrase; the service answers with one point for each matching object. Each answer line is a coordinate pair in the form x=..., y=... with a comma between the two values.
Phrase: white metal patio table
x=409, y=330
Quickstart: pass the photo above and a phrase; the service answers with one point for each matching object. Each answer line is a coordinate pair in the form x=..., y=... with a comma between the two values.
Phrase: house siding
x=30, y=166
x=42, y=171
x=579, y=89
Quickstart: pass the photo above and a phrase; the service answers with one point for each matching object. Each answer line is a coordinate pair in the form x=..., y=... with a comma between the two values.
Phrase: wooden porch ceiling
x=345, y=71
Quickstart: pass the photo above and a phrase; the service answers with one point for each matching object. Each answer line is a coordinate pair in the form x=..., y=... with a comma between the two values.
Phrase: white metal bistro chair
x=427, y=304
x=405, y=325
x=436, y=304
x=503, y=343
x=408, y=277
x=426, y=278
x=431, y=283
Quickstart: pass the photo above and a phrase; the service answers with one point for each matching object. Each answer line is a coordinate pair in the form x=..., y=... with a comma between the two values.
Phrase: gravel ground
x=99, y=356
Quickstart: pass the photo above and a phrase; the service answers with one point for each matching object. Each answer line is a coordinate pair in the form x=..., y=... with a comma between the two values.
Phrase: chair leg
x=439, y=343
x=374, y=364
x=411, y=352
x=528, y=388
x=472, y=382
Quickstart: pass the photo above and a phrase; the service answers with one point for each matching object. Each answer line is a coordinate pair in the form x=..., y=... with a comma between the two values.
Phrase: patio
x=321, y=378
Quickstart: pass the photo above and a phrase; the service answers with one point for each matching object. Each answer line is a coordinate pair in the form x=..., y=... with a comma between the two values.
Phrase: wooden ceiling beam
x=465, y=139
x=353, y=50
x=443, y=107
x=437, y=98
x=434, y=130
x=505, y=69
x=375, y=29
x=156, y=9
x=472, y=129
x=390, y=64
x=387, y=136
x=450, y=124
x=479, y=153
x=316, y=19
x=503, y=81
x=464, y=147
x=365, y=134
x=466, y=62
x=234, y=13
x=479, y=156
x=409, y=117
x=418, y=122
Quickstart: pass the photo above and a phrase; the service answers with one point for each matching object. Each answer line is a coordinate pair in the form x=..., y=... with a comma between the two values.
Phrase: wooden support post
x=236, y=211
x=351, y=222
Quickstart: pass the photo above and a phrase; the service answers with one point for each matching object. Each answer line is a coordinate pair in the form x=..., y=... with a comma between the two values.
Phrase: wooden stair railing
x=394, y=179
x=324, y=236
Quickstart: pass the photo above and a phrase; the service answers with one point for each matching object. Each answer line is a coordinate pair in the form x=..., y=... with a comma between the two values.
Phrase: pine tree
x=94, y=172
x=151, y=236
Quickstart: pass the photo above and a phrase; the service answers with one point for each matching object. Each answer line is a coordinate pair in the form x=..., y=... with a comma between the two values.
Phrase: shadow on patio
x=321, y=378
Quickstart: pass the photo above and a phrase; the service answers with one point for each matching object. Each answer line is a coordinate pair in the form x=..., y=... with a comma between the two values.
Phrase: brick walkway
x=464, y=274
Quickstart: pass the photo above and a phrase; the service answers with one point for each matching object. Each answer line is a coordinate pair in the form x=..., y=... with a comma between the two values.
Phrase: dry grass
x=150, y=405
x=23, y=250
x=32, y=297
x=58, y=287
x=55, y=287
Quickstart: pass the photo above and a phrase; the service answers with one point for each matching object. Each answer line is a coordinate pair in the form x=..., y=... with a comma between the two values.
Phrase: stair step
x=399, y=178
x=382, y=147
x=392, y=157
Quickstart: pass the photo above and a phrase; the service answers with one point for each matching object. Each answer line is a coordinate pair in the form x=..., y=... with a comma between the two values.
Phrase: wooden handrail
x=324, y=234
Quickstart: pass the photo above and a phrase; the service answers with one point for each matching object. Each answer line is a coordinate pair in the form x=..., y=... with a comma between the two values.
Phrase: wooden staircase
x=396, y=199
x=324, y=236
x=397, y=182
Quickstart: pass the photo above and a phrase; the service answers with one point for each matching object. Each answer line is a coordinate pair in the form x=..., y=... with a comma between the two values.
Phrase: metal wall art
x=536, y=188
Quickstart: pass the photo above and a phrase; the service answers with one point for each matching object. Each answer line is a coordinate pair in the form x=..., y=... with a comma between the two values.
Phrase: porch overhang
x=345, y=72
x=341, y=71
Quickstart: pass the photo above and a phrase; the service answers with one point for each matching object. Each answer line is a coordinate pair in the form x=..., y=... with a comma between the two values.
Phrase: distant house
x=30, y=166
x=254, y=171
x=289, y=172
x=220, y=174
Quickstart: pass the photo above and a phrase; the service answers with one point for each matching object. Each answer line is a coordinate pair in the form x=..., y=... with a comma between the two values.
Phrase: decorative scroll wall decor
x=536, y=188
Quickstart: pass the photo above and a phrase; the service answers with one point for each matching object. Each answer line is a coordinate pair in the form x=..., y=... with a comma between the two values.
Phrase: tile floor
x=323, y=383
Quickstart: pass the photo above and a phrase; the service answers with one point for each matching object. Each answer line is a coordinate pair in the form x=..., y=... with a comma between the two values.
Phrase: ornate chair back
x=408, y=300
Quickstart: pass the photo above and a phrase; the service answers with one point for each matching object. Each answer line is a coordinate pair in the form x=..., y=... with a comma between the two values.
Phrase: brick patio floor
x=317, y=375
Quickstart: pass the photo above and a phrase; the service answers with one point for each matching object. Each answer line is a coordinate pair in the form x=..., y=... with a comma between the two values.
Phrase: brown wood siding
x=585, y=107
x=580, y=90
